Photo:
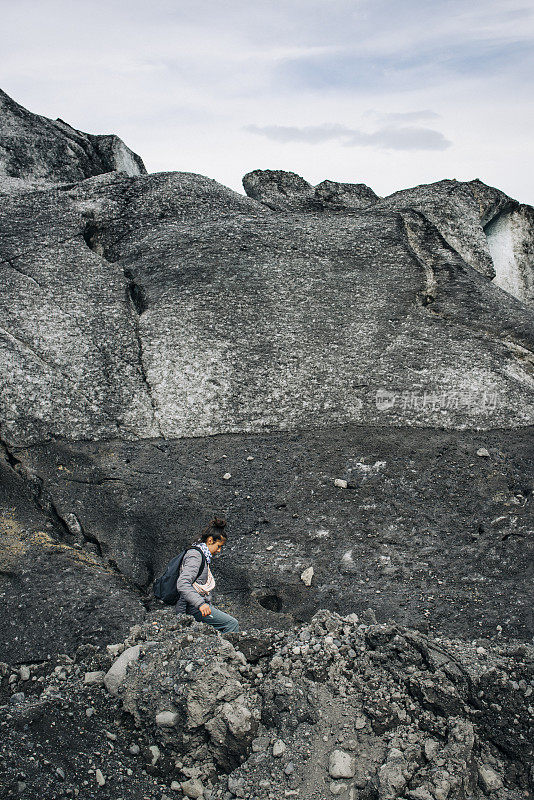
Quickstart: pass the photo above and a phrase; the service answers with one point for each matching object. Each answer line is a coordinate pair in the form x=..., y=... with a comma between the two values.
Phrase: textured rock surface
x=335, y=709
x=426, y=530
x=152, y=323
x=55, y=590
x=168, y=304
x=38, y=149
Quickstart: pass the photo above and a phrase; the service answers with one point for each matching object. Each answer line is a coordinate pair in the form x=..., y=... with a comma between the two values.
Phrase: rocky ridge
x=350, y=380
x=335, y=708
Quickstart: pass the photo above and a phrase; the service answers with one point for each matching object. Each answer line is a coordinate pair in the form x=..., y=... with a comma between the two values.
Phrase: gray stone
x=167, y=719
x=281, y=191
x=279, y=748
x=489, y=780
x=307, y=576
x=95, y=678
x=336, y=195
x=116, y=674
x=193, y=788
x=341, y=764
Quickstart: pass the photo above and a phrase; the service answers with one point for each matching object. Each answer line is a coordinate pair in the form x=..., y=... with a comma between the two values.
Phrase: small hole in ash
x=271, y=602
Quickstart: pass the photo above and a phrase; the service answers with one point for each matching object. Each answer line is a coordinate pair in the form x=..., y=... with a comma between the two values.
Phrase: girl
x=195, y=589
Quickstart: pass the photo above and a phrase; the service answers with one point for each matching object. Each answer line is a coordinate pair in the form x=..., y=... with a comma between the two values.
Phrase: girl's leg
x=219, y=620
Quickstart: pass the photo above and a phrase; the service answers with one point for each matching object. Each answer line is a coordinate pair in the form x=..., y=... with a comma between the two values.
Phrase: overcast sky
x=391, y=93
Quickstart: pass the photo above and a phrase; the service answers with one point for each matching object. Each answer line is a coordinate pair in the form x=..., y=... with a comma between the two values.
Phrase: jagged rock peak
x=287, y=191
x=33, y=147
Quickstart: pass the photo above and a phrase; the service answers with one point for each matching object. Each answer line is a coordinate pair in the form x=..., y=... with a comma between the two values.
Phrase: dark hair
x=214, y=528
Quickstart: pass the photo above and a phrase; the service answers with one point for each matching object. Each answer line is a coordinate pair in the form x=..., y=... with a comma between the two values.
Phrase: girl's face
x=215, y=545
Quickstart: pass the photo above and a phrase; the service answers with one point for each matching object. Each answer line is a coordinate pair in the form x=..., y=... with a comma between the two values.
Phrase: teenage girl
x=195, y=592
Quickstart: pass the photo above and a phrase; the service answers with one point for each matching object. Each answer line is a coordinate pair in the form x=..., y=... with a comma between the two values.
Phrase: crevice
x=428, y=293
x=20, y=271
x=137, y=303
x=136, y=293
x=44, y=500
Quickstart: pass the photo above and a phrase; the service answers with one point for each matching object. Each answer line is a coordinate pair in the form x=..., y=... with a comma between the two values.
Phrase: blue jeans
x=220, y=621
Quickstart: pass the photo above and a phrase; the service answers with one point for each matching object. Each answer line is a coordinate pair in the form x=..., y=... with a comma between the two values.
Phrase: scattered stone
x=482, y=452
x=167, y=719
x=227, y=476
x=489, y=780
x=279, y=748
x=193, y=788
x=24, y=673
x=100, y=779
x=341, y=765
x=431, y=748
x=306, y=576
x=94, y=678
x=116, y=675
x=340, y=483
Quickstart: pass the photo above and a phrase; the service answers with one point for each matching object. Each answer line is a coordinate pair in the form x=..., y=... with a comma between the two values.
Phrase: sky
x=391, y=93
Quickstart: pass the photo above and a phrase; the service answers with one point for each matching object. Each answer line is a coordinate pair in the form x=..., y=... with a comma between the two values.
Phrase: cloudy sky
x=391, y=93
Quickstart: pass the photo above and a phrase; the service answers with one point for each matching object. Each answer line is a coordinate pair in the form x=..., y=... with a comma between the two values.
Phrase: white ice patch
x=511, y=244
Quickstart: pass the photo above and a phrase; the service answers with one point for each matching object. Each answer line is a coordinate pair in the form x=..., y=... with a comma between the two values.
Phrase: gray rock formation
x=35, y=148
x=333, y=708
x=158, y=331
x=170, y=305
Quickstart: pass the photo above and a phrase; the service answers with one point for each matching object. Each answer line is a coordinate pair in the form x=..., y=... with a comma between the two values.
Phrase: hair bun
x=217, y=522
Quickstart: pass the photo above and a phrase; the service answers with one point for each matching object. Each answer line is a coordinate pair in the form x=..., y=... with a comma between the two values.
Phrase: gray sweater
x=189, y=599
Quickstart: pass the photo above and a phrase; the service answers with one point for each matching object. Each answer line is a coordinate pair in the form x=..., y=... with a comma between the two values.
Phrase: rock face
x=170, y=305
x=317, y=363
x=333, y=709
x=39, y=149
x=55, y=590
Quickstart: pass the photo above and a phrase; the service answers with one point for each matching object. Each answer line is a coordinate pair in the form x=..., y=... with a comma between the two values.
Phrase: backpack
x=164, y=587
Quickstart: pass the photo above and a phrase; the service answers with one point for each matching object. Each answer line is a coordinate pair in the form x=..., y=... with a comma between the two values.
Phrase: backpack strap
x=202, y=562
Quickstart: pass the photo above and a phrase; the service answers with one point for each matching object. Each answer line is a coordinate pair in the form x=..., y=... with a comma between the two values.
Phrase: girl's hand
x=205, y=610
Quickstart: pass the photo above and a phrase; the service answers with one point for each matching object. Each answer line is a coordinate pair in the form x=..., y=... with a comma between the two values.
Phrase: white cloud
x=189, y=84
x=389, y=138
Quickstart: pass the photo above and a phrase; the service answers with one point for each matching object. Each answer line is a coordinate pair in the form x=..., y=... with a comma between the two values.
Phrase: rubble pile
x=336, y=708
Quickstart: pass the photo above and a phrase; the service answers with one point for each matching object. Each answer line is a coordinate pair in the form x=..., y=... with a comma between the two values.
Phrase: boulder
x=116, y=675
x=40, y=150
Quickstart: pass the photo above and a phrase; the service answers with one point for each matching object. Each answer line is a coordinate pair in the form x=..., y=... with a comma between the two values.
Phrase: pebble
x=134, y=749
x=340, y=483
x=482, y=452
x=279, y=748
x=166, y=719
x=94, y=678
x=307, y=576
x=489, y=779
x=24, y=673
x=227, y=476
x=100, y=778
x=341, y=764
